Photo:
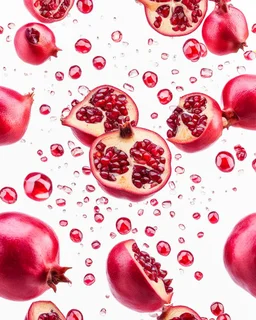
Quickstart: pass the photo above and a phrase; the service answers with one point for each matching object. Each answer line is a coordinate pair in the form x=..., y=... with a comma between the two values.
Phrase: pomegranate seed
x=123, y=225
x=1, y=30
x=217, y=308
x=224, y=161
x=99, y=62
x=74, y=314
x=192, y=50
x=163, y=248
x=76, y=235
x=8, y=195
x=196, y=215
x=98, y=217
x=37, y=186
x=224, y=316
x=84, y=6
x=240, y=152
x=185, y=258
x=83, y=46
x=59, y=76
x=254, y=28
x=63, y=223
x=96, y=244
x=213, y=217
x=88, y=262
x=150, y=79
x=164, y=96
x=117, y=36
x=57, y=150
x=198, y=275
x=75, y=72
x=89, y=279
x=150, y=231
x=61, y=202
x=195, y=178
x=45, y=109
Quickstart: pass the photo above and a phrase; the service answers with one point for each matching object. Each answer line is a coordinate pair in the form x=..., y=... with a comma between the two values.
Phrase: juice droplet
x=45, y=109
x=185, y=258
x=240, y=152
x=84, y=6
x=99, y=62
x=1, y=30
x=37, y=186
x=123, y=225
x=83, y=45
x=225, y=161
x=192, y=50
x=217, y=308
x=59, y=76
x=150, y=231
x=198, y=275
x=196, y=215
x=117, y=36
x=213, y=217
x=63, y=223
x=150, y=79
x=195, y=178
x=75, y=72
x=88, y=262
x=76, y=235
x=60, y=202
x=8, y=195
x=57, y=150
x=96, y=244
x=74, y=314
x=250, y=55
x=98, y=217
x=89, y=279
x=164, y=96
x=163, y=248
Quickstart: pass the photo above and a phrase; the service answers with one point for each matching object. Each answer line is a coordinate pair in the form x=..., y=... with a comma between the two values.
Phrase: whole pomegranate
x=178, y=313
x=132, y=163
x=240, y=254
x=49, y=11
x=102, y=110
x=175, y=18
x=35, y=43
x=15, y=112
x=239, y=101
x=44, y=310
x=196, y=123
x=29, y=257
x=135, y=278
x=225, y=30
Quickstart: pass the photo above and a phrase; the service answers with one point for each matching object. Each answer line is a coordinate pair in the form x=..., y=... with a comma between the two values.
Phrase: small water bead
x=217, y=308
x=76, y=235
x=154, y=202
x=195, y=178
x=84, y=6
x=241, y=153
x=204, y=50
x=96, y=209
x=89, y=279
x=8, y=195
x=150, y=79
x=37, y=186
x=185, y=258
x=63, y=223
x=123, y=225
x=79, y=204
x=254, y=164
x=172, y=185
x=67, y=189
x=192, y=50
x=60, y=202
x=154, y=115
x=44, y=109
x=96, y=244
x=74, y=314
x=225, y=161
x=178, y=156
x=102, y=200
x=86, y=199
x=164, y=96
x=182, y=226
x=206, y=73
x=77, y=152
x=98, y=217
x=164, y=56
x=76, y=174
x=193, y=80
x=213, y=217
x=224, y=316
x=133, y=73
x=88, y=262
x=166, y=204
x=179, y=170
x=103, y=312
x=181, y=240
x=254, y=28
x=179, y=88
x=75, y=72
x=59, y=76
x=86, y=170
x=112, y=235
x=99, y=62
x=175, y=71
x=196, y=215
x=57, y=150
x=163, y=248
x=172, y=214
x=40, y=152
x=150, y=231
x=200, y=234
x=157, y=212
x=250, y=55
x=128, y=87
x=90, y=188
x=140, y=212
x=117, y=36
x=198, y=275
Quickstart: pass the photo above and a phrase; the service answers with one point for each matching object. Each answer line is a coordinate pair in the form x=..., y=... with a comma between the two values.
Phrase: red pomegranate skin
x=239, y=101
x=240, y=254
x=19, y=235
x=129, y=282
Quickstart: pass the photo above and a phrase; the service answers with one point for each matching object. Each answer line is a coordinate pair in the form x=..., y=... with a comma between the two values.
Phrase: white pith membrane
x=171, y=312
x=158, y=286
x=39, y=308
x=52, y=8
x=184, y=134
x=98, y=128
x=124, y=181
x=186, y=15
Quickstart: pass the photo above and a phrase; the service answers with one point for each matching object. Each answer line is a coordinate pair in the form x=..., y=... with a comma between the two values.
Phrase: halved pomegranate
x=175, y=18
x=102, y=110
x=132, y=163
x=49, y=11
x=44, y=310
x=136, y=280
x=196, y=123
x=178, y=313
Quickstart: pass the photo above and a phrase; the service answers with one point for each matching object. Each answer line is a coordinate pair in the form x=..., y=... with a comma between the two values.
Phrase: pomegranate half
x=15, y=112
x=131, y=163
x=178, y=313
x=102, y=110
x=196, y=123
x=49, y=11
x=44, y=310
x=29, y=257
x=239, y=101
x=175, y=18
x=136, y=280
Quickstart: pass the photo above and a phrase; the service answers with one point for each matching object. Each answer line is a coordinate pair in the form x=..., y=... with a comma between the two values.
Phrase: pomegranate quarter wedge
x=131, y=163
x=178, y=313
x=44, y=310
x=136, y=280
x=196, y=123
x=102, y=110
x=175, y=18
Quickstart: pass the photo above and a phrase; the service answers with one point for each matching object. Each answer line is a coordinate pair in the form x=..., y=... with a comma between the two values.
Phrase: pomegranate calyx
x=55, y=51
x=126, y=130
x=229, y=118
x=57, y=275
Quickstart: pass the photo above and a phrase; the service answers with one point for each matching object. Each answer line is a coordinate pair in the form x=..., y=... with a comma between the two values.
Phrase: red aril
x=102, y=110
x=8, y=195
x=225, y=29
x=225, y=161
x=84, y=6
x=132, y=163
x=195, y=123
x=35, y=43
x=49, y=11
x=44, y=310
x=192, y=50
x=15, y=112
x=175, y=18
x=136, y=279
x=29, y=257
x=37, y=186
x=178, y=313
x=74, y=314
x=239, y=101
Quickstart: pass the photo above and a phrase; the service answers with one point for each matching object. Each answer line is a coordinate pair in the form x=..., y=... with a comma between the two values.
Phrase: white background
x=213, y=193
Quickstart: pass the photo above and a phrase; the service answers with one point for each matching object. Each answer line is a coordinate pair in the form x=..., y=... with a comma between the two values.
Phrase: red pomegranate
x=136, y=280
x=239, y=101
x=102, y=110
x=132, y=163
x=225, y=30
x=178, y=313
x=44, y=310
x=15, y=112
x=175, y=18
x=49, y=11
x=196, y=123
x=29, y=257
